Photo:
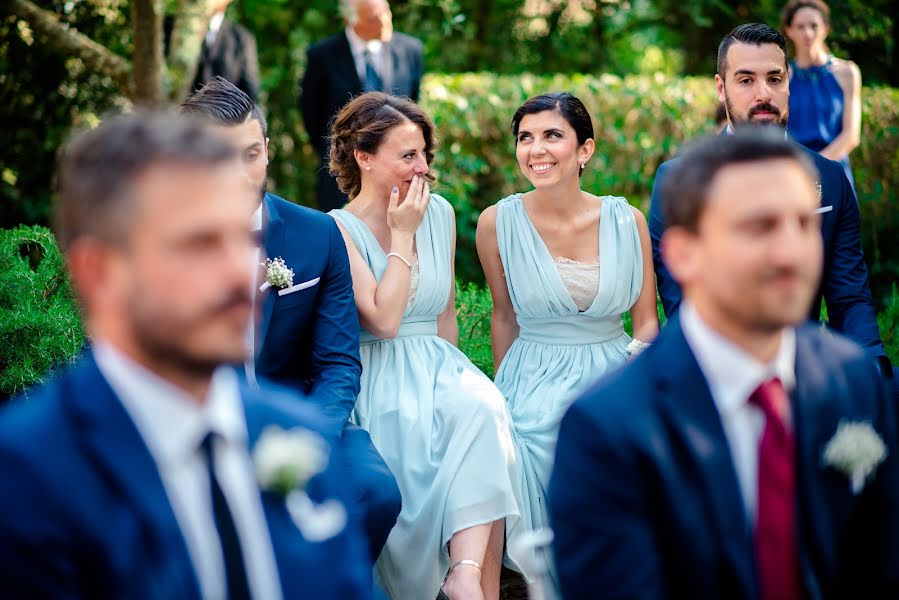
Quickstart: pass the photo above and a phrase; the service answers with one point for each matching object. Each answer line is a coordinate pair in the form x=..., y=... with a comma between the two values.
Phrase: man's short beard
x=780, y=121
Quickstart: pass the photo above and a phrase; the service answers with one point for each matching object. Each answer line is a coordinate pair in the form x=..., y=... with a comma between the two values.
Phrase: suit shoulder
x=824, y=165
x=299, y=215
x=831, y=347
x=326, y=45
x=412, y=43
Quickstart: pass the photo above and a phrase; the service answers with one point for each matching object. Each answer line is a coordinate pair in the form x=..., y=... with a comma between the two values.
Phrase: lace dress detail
x=581, y=279
x=415, y=276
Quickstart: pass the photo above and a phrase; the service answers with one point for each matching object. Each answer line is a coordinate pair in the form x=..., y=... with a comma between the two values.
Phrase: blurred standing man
x=743, y=455
x=367, y=56
x=147, y=470
x=229, y=51
x=753, y=84
x=307, y=334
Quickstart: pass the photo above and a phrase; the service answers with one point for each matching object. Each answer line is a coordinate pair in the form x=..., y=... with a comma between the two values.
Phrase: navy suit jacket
x=84, y=514
x=331, y=79
x=844, y=279
x=309, y=339
x=645, y=500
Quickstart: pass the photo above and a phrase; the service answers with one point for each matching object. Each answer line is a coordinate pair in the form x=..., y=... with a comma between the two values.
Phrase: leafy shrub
x=39, y=321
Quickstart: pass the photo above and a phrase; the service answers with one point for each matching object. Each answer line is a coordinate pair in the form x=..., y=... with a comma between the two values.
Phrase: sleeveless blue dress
x=816, y=109
x=559, y=350
x=439, y=423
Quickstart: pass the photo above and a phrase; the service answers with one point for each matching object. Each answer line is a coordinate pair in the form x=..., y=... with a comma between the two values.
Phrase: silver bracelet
x=401, y=257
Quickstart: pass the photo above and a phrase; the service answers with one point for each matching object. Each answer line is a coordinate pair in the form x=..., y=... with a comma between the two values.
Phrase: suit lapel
x=685, y=398
x=113, y=441
x=810, y=407
x=272, y=243
x=345, y=65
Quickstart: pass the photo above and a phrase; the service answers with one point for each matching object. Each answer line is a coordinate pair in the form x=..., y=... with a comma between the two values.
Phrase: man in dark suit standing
x=149, y=469
x=742, y=455
x=753, y=83
x=367, y=56
x=307, y=332
x=229, y=51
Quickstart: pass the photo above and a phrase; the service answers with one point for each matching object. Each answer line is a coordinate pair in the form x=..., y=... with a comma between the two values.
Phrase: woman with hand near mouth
x=562, y=266
x=440, y=424
x=825, y=91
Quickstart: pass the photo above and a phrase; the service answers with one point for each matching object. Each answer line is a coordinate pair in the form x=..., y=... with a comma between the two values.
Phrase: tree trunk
x=69, y=41
x=146, y=22
x=185, y=46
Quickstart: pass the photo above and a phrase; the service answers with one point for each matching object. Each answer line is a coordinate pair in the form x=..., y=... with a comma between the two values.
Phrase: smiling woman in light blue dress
x=441, y=425
x=563, y=266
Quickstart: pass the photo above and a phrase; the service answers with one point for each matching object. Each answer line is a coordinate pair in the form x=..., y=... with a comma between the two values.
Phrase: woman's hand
x=404, y=218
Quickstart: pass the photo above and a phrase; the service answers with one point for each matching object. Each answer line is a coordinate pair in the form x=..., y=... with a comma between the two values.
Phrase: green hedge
x=640, y=121
x=39, y=321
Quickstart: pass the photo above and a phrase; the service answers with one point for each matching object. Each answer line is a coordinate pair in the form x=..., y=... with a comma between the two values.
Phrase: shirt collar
x=256, y=219
x=215, y=23
x=732, y=374
x=171, y=423
x=359, y=46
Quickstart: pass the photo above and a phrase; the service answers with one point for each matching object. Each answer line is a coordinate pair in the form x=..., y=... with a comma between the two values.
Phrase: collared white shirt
x=730, y=131
x=358, y=46
x=215, y=23
x=733, y=375
x=173, y=426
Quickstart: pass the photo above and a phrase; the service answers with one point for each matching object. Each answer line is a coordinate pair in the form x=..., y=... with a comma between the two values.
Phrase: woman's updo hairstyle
x=363, y=124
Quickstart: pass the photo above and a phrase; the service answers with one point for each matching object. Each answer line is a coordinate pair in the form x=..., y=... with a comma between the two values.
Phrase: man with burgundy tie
x=744, y=455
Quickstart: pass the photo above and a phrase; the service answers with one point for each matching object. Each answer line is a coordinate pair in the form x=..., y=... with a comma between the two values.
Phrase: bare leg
x=464, y=582
x=493, y=561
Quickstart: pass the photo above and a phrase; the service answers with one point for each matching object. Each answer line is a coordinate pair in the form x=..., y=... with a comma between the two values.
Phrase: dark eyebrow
x=554, y=130
x=253, y=146
x=777, y=71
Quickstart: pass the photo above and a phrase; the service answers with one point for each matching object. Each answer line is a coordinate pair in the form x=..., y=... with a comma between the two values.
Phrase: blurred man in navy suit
x=138, y=472
x=753, y=84
x=307, y=334
x=367, y=56
x=743, y=455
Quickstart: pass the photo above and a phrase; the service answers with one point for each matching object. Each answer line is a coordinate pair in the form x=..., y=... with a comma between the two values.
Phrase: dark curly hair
x=363, y=124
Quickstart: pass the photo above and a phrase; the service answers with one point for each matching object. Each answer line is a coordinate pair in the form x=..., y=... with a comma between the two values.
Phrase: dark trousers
x=376, y=489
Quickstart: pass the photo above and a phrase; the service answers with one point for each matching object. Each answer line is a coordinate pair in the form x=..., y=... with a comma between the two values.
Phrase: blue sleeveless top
x=816, y=106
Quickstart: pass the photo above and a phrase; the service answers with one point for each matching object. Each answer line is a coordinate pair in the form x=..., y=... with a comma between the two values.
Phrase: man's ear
x=266, y=151
x=680, y=252
x=719, y=87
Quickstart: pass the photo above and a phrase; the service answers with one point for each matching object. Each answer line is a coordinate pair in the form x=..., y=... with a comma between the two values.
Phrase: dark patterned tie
x=776, y=549
x=235, y=570
x=372, y=79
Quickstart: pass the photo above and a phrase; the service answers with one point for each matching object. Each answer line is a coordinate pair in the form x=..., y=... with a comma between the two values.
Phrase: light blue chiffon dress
x=441, y=425
x=560, y=349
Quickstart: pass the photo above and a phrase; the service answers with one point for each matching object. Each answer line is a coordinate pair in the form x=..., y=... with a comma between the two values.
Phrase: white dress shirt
x=358, y=46
x=733, y=375
x=173, y=426
x=215, y=23
x=258, y=257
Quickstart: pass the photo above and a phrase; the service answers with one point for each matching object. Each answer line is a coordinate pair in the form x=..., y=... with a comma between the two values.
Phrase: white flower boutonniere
x=285, y=460
x=856, y=450
x=277, y=274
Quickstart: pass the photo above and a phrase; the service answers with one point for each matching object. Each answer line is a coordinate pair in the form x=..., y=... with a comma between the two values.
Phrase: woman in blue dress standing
x=563, y=265
x=825, y=91
x=441, y=425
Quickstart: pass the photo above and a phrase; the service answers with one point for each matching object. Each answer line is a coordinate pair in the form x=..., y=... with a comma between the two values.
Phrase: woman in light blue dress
x=562, y=266
x=440, y=424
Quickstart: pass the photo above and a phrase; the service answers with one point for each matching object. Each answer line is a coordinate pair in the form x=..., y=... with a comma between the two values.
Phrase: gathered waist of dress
x=407, y=329
x=571, y=330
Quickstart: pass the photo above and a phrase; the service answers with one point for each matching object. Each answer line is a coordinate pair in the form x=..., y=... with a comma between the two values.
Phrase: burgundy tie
x=776, y=550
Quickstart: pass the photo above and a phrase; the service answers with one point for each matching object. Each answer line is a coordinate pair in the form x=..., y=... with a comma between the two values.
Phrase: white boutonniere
x=856, y=450
x=284, y=461
x=820, y=190
x=277, y=274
